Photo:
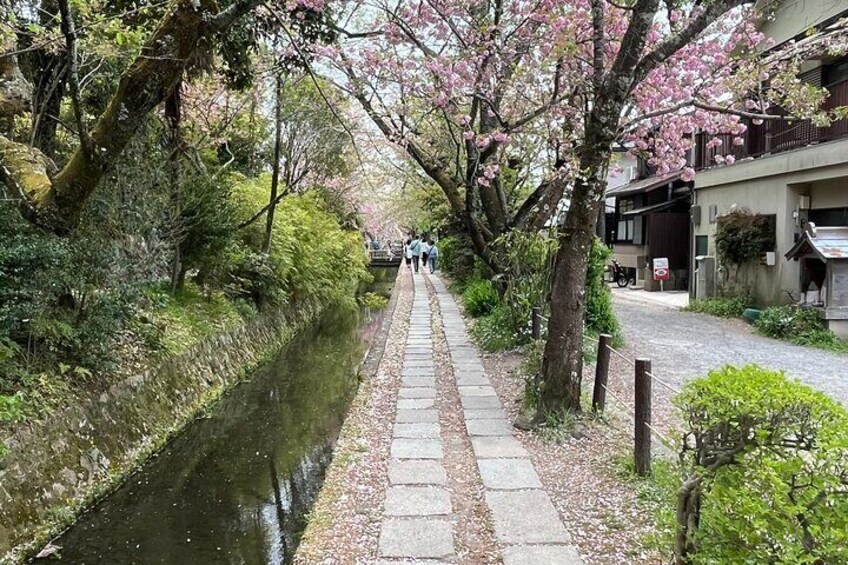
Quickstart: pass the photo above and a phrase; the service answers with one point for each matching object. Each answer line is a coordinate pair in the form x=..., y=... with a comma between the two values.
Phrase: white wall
x=792, y=17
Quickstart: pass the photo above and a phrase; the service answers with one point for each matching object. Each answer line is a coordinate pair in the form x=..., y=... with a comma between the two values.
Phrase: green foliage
x=457, y=258
x=496, y=331
x=527, y=260
x=190, y=315
x=529, y=371
x=310, y=256
x=10, y=407
x=741, y=236
x=801, y=326
x=480, y=298
x=373, y=301
x=207, y=224
x=724, y=307
x=600, y=317
x=764, y=461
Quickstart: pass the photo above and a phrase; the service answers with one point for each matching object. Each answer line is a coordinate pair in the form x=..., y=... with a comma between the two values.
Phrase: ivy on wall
x=741, y=237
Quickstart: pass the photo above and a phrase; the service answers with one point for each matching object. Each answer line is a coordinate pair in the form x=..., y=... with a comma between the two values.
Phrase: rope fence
x=641, y=410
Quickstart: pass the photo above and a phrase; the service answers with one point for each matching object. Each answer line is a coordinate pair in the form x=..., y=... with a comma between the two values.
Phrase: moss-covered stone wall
x=55, y=468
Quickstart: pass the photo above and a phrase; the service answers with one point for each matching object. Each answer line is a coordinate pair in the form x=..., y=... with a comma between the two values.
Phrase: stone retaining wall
x=56, y=467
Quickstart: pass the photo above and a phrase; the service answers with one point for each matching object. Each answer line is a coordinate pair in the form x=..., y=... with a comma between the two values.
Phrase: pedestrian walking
x=425, y=250
x=415, y=247
x=433, y=256
x=407, y=252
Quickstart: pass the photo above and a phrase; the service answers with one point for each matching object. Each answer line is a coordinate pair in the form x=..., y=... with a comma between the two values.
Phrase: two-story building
x=647, y=217
x=791, y=170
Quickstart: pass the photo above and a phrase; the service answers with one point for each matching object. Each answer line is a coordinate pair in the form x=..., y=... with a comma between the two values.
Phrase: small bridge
x=390, y=256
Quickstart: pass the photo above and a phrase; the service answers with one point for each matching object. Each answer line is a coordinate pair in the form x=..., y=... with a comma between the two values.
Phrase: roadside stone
x=420, y=430
x=416, y=472
x=477, y=391
x=485, y=414
x=525, y=517
x=417, y=416
x=488, y=428
x=416, y=538
x=417, y=449
x=472, y=380
x=417, y=392
x=418, y=372
x=497, y=447
x=508, y=474
x=538, y=554
x=480, y=402
x=415, y=403
x=417, y=501
x=418, y=381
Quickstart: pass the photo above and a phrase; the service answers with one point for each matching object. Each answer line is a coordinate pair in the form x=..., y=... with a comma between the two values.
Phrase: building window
x=836, y=72
x=701, y=245
x=625, y=231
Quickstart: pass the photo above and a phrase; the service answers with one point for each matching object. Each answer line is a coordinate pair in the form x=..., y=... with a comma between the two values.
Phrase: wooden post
x=642, y=432
x=599, y=392
x=536, y=319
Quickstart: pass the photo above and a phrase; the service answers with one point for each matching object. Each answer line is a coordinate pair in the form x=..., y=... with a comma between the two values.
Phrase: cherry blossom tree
x=463, y=85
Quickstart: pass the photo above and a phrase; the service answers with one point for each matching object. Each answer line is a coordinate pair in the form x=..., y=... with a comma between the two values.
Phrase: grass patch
x=723, y=307
x=190, y=315
x=655, y=495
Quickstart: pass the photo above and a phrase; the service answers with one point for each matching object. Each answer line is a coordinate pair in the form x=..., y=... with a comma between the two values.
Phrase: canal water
x=237, y=485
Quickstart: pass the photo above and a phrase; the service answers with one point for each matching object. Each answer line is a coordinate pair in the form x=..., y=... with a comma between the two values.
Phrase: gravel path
x=683, y=345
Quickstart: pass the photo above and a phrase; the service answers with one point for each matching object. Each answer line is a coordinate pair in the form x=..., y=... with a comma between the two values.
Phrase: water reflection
x=236, y=487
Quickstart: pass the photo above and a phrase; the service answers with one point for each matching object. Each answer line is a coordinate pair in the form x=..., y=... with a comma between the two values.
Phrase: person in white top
x=407, y=252
x=425, y=250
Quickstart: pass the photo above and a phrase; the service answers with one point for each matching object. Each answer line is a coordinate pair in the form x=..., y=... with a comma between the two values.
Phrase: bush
x=801, y=326
x=600, y=316
x=373, y=301
x=496, y=331
x=720, y=306
x=527, y=259
x=480, y=298
x=456, y=257
x=763, y=478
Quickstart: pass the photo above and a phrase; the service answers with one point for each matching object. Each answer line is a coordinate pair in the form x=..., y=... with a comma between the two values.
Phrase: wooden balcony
x=774, y=136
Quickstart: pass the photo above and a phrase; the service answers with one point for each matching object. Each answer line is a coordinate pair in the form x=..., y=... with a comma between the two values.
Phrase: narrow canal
x=237, y=485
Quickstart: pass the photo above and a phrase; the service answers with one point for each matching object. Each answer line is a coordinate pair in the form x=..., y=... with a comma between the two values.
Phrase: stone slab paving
x=417, y=508
x=528, y=528
x=417, y=472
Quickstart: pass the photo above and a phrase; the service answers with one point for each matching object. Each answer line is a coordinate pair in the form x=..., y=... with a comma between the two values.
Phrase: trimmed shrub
x=480, y=298
x=764, y=461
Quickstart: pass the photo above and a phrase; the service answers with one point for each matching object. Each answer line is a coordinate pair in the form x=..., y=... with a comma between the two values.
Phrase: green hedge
x=763, y=475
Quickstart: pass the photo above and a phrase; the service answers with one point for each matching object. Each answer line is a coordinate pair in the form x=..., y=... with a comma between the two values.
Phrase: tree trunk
x=173, y=146
x=275, y=175
x=46, y=69
x=57, y=203
x=562, y=364
x=688, y=517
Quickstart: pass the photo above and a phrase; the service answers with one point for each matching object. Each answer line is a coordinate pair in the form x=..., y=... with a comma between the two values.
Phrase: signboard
x=661, y=271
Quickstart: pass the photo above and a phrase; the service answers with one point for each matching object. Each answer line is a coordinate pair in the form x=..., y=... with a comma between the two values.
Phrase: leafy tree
x=463, y=86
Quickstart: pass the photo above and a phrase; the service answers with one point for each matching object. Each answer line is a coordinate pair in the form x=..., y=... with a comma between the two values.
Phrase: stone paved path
x=417, y=521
